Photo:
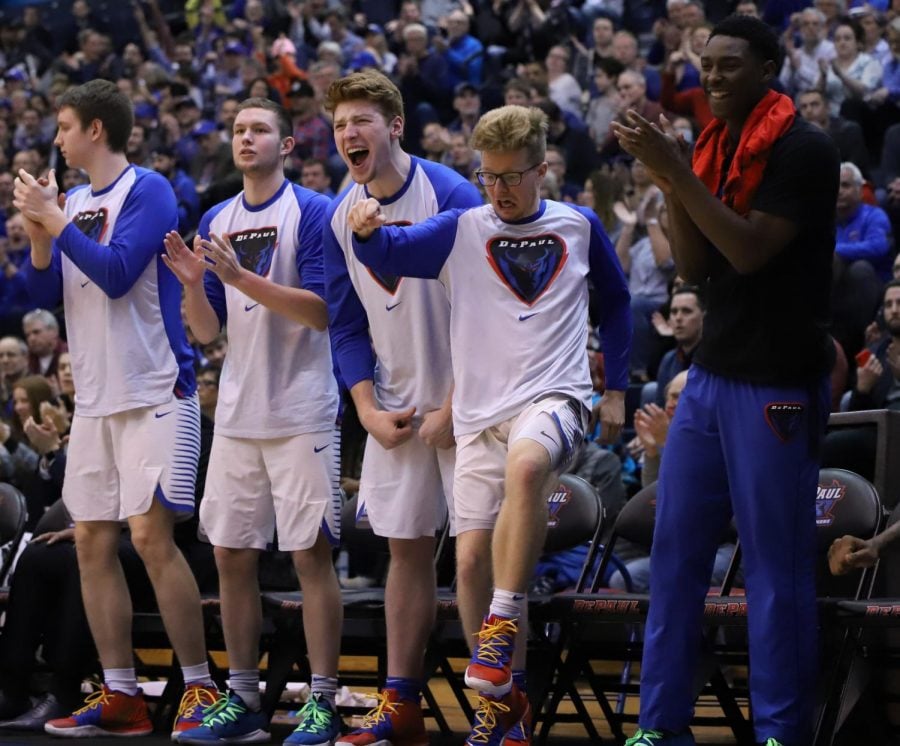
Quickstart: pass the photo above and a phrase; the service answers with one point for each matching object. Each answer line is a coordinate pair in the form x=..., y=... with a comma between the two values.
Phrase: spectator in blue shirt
x=863, y=231
x=862, y=261
x=463, y=52
x=183, y=185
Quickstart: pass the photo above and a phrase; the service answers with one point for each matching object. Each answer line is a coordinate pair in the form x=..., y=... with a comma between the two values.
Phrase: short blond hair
x=366, y=85
x=512, y=128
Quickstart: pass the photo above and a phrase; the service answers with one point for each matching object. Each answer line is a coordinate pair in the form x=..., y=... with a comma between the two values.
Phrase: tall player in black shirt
x=752, y=221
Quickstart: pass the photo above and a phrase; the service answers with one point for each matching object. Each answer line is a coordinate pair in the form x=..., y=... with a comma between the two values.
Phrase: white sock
x=326, y=686
x=246, y=685
x=507, y=604
x=121, y=680
x=198, y=674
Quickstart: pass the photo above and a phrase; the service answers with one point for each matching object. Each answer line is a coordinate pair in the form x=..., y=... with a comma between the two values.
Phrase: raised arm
x=414, y=251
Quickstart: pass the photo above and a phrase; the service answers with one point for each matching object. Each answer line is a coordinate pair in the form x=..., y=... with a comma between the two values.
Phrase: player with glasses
x=521, y=410
x=510, y=178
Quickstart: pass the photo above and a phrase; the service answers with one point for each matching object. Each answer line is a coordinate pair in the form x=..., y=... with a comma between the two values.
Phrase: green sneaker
x=773, y=742
x=659, y=738
x=319, y=724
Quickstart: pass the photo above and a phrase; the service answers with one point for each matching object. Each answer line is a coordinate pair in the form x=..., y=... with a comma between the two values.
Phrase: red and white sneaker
x=195, y=700
x=489, y=669
x=393, y=721
x=495, y=719
x=105, y=713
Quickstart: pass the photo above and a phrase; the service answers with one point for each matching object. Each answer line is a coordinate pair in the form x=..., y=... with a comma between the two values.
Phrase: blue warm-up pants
x=751, y=451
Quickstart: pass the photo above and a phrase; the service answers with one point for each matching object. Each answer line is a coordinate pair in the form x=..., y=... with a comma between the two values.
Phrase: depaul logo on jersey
x=827, y=496
x=92, y=223
x=255, y=248
x=560, y=497
x=785, y=418
x=389, y=283
x=527, y=266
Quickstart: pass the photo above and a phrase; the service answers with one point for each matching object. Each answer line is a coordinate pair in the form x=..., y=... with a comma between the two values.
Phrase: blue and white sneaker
x=319, y=724
x=229, y=721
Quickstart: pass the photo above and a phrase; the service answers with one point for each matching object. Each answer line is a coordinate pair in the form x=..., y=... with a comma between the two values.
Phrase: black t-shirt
x=771, y=326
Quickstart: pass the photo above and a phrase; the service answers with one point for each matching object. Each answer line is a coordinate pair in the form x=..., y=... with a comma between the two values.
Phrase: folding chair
x=845, y=504
x=363, y=632
x=577, y=614
x=13, y=515
x=850, y=505
x=575, y=517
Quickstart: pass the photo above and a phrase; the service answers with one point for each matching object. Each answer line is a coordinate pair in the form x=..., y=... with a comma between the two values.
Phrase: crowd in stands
x=583, y=62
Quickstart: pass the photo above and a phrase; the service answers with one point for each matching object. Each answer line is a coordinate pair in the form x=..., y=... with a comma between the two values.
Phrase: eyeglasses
x=510, y=178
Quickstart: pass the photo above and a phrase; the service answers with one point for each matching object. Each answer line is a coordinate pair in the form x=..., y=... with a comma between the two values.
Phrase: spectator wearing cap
x=187, y=114
x=165, y=163
x=462, y=51
x=350, y=43
x=467, y=105
x=313, y=134
x=213, y=160
x=227, y=79
x=284, y=54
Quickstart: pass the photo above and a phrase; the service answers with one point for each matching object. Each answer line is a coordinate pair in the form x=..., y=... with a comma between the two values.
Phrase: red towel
x=768, y=121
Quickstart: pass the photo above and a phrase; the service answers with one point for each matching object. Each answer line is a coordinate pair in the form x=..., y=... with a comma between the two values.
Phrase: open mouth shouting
x=357, y=156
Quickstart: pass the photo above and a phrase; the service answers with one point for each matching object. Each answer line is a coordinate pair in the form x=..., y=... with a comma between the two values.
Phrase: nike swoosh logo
x=518, y=597
x=85, y=283
x=391, y=308
x=526, y=316
x=320, y=448
x=158, y=415
x=250, y=306
x=545, y=435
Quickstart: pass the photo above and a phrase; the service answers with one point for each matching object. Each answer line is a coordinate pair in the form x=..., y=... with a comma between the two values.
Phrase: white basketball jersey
x=278, y=378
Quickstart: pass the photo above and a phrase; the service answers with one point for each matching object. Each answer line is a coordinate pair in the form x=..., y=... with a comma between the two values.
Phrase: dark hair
x=854, y=26
x=610, y=65
x=889, y=285
x=316, y=162
x=285, y=125
x=759, y=36
x=693, y=290
x=102, y=100
x=38, y=390
x=211, y=369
